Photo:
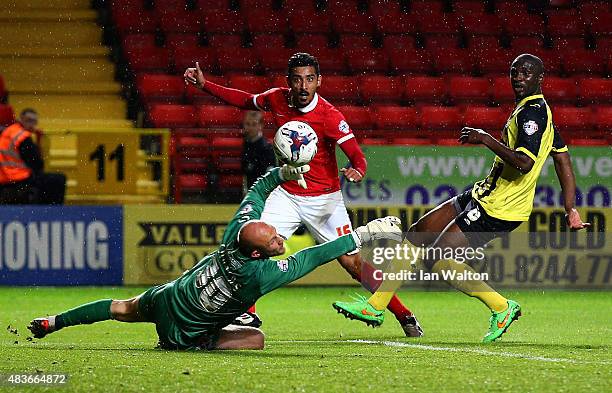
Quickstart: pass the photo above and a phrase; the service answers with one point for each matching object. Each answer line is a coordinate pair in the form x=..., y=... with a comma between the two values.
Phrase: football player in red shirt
x=319, y=205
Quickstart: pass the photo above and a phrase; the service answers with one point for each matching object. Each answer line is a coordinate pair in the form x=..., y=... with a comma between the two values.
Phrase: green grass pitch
x=561, y=344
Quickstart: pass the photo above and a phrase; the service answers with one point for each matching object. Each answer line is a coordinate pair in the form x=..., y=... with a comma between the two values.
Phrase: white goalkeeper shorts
x=324, y=216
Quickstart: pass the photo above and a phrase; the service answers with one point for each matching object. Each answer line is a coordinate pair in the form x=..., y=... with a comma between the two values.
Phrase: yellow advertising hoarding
x=162, y=241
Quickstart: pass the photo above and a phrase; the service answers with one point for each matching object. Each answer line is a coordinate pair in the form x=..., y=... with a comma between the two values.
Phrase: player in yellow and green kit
x=194, y=311
x=497, y=204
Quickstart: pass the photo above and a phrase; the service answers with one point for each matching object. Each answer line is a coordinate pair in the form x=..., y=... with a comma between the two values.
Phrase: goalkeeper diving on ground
x=195, y=310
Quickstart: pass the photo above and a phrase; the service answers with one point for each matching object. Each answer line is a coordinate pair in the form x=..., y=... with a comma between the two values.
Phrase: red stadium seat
x=425, y=89
x=494, y=60
x=168, y=115
x=225, y=40
x=222, y=21
x=181, y=22
x=571, y=118
x=466, y=89
x=149, y=59
x=439, y=41
x=250, y=4
x=601, y=25
x=237, y=59
x=220, y=116
x=188, y=182
x=304, y=20
x=452, y=61
x=430, y=9
x=595, y=90
x=559, y=90
x=177, y=40
x=351, y=21
x=440, y=118
x=552, y=60
x=565, y=25
x=381, y=88
x=510, y=6
x=250, y=83
x=397, y=42
x=355, y=41
x=264, y=41
x=132, y=42
x=562, y=44
x=395, y=117
x=230, y=182
x=583, y=61
x=603, y=118
x=527, y=44
x=395, y=22
x=134, y=21
x=160, y=88
x=416, y=61
x=330, y=60
x=484, y=117
x=307, y=42
x=593, y=10
x=339, y=89
x=358, y=117
x=261, y=20
x=478, y=43
x=186, y=56
x=502, y=90
x=274, y=60
x=366, y=60
x=604, y=44
x=469, y=7
x=480, y=24
x=517, y=24
x=445, y=24
x=6, y=115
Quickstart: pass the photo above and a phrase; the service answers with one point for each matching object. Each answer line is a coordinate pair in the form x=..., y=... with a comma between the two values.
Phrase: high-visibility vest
x=12, y=166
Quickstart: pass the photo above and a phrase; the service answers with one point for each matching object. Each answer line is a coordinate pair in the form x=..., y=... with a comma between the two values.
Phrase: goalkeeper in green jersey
x=195, y=310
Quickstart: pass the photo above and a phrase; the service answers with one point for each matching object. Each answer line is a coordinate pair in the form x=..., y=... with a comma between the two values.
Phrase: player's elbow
x=524, y=166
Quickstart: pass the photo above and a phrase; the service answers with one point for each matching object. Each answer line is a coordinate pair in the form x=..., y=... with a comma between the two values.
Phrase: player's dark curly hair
x=302, y=59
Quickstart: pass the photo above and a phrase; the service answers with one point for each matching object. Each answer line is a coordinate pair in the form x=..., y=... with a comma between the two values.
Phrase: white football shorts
x=324, y=216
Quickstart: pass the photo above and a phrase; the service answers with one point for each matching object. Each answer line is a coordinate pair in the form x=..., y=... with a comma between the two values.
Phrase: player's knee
x=257, y=340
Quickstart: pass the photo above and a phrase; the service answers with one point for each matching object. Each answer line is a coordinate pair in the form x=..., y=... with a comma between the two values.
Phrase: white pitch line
x=447, y=349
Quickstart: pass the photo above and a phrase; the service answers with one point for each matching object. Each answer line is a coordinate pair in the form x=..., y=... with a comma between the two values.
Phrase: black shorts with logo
x=479, y=227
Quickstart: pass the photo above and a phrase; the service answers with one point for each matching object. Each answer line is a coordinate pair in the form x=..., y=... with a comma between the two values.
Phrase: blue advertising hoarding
x=61, y=245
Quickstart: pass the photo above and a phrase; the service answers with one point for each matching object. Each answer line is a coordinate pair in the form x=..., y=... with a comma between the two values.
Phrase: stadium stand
x=420, y=69
x=75, y=85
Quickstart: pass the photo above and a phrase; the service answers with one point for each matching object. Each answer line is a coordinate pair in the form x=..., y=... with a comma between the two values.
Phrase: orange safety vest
x=12, y=167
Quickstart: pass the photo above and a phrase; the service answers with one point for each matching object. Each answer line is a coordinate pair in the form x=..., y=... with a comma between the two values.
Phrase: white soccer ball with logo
x=295, y=143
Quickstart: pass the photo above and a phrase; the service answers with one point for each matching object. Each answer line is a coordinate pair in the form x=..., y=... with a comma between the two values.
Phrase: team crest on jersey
x=531, y=127
x=343, y=127
x=283, y=265
x=246, y=209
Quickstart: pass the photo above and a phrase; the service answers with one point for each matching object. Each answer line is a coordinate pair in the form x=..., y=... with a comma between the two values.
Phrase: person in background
x=22, y=180
x=258, y=154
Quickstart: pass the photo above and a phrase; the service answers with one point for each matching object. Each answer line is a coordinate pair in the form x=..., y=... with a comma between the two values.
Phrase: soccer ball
x=295, y=143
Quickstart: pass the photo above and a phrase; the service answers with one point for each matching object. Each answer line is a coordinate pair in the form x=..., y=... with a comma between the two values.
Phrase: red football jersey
x=331, y=128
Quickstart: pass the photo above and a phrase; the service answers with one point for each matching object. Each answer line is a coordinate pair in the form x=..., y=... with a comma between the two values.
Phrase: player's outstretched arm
x=241, y=99
x=274, y=274
x=565, y=173
x=514, y=158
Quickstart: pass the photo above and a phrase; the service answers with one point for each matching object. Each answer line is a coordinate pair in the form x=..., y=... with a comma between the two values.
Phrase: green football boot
x=360, y=310
x=500, y=321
